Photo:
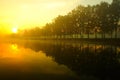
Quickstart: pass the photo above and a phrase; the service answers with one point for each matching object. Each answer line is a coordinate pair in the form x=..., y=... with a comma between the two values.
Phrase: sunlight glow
x=55, y=5
x=14, y=47
x=14, y=30
x=31, y=13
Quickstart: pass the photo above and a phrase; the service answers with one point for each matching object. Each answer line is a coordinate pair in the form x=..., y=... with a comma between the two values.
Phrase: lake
x=58, y=60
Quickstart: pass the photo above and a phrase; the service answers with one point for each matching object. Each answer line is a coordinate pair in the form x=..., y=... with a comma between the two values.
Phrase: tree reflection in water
x=88, y=61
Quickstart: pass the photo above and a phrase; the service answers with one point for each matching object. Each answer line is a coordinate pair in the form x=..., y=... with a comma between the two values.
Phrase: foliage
x=101, y=18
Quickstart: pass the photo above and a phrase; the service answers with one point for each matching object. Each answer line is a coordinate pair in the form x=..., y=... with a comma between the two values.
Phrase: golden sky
x=31, y=13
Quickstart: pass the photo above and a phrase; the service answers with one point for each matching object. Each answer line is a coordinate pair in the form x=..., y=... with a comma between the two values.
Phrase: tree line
x=96, y=20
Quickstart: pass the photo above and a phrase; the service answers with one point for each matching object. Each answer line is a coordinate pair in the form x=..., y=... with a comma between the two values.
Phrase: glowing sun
x=14, y=30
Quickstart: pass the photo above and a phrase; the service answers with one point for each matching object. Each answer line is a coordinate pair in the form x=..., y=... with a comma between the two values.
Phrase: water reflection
x=14, y=47
x=34, y=60
x=89, y=61
x=20, y=63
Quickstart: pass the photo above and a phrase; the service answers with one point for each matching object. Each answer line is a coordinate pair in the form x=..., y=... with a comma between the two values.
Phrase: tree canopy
x=102, y=18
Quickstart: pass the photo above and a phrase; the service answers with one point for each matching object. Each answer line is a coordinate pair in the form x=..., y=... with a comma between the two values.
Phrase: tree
x=115, y=15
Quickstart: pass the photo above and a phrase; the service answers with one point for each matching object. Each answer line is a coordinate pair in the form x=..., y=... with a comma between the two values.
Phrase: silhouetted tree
x=115, y=15
x=83, y=20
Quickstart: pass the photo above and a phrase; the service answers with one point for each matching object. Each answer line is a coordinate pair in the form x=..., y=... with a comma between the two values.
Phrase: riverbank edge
x=107, y=41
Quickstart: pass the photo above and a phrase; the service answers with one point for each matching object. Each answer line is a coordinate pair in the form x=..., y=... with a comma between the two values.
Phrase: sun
x=14, y=30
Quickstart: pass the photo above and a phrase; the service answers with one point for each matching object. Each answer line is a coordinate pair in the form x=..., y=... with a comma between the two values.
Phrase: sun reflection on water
x=14, y=47
x=25, y=60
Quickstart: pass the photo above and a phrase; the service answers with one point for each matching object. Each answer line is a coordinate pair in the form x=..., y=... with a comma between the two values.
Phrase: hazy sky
x=30, y=13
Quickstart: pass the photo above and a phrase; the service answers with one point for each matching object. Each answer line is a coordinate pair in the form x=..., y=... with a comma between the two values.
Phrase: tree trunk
x=88, y=35
x=95, y=35
x=81, y=34
x=103, y=35
x=115, y=32
x=111, y=35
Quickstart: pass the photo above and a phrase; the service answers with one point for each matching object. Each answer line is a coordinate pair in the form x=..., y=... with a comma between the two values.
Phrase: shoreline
x=107, y=41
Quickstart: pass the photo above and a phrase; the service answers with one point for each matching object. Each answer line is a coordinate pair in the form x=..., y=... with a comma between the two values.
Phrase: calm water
x=50, y=60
